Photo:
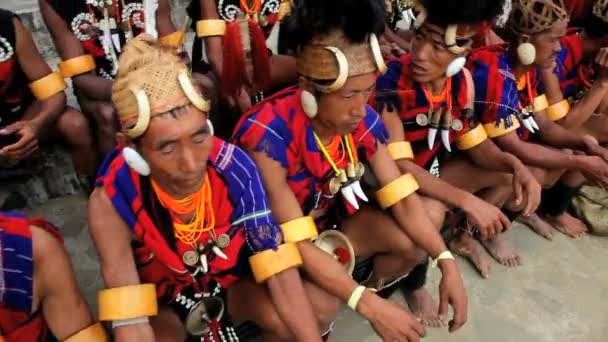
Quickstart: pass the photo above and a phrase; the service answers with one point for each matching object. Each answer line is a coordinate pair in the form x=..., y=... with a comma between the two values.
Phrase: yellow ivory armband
x=92, y=333
x=396, y=190
x=303, y=228
x=127, y=302
x=558, y=110
x=400, y=150
x=77, y=66
x=471, y=138
x=211, y=27
x=494, y=132
x=174, y=39
x=270, y=262
x=540, y=103
x=48, y=86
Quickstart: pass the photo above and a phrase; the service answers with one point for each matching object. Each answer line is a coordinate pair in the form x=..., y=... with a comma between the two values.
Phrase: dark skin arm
x=488, y=156
x=580, y=112
x=164, y=24
x=64, y=309
x=112, y=239
x=213, y=45
x=411, y=216
x=43, y=113
x=541, y=156
x=68, y=46
x=480, y=212
x=324, y=270
x=560, y=137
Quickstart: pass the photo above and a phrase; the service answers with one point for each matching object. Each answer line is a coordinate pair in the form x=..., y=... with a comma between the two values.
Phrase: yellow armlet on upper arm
x=269, y=263
x=396, y=190
x=48, y=86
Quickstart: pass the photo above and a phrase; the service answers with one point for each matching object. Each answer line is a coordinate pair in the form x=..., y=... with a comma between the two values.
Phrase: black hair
x=596, y=27
x=356, y=18
x=462, y=11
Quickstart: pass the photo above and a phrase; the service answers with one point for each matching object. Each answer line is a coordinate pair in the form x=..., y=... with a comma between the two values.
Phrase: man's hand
x=526, y=186
x=28, y=133
x=595, y=169
x=593, y=148
x=488, y=218
x=389, y=320
x=242, y=101
x=452, y=292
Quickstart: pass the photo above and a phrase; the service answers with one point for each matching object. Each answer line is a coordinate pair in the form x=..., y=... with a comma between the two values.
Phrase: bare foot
x=502, y=250
x=424, y=307
x=538, y=225
x=467, y=247
x=569, y=225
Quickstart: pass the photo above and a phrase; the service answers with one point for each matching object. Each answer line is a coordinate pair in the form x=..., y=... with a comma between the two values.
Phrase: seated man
x=32, y=103
x=426, y=99
x=39, y=296
x=176, y=215
x=506, y=97
x=314, y=142
x=89, y=36
x=577, y=90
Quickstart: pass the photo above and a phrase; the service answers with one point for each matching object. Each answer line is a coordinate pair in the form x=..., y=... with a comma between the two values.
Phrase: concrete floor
x=559, y=295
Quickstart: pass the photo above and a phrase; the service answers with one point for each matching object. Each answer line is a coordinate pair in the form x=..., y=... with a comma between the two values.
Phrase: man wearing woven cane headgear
x=578, y=87
x=177, y=214
x=426, y=101
x=521, y=120
x=317, y=143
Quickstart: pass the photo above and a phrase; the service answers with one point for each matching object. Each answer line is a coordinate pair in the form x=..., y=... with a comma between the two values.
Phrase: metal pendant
x=190, y=258
x=208, y=310
x=422, y=120
x=457, y=125
x=223, y=240
x=335, y=184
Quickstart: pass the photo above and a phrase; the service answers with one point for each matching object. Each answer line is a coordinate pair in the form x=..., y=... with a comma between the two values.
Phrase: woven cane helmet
x=536, y=16
x=151, y=80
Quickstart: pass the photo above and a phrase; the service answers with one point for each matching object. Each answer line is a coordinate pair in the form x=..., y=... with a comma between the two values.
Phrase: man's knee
x=274, y=325
x=435, y=209
x=74, y=126
x=106, y=116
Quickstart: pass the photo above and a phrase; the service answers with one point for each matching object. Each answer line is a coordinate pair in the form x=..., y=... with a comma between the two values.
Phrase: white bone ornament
x=218, y=251
x=143, y=120
x=356, y=185
x=349, y=196
x=534, y=124
x=445, y=139
x=421, y=18
x=378, y=59
x=342, y=71
x=188, y=88
x=450, y=40
x=528, y=125
x=430, y=138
